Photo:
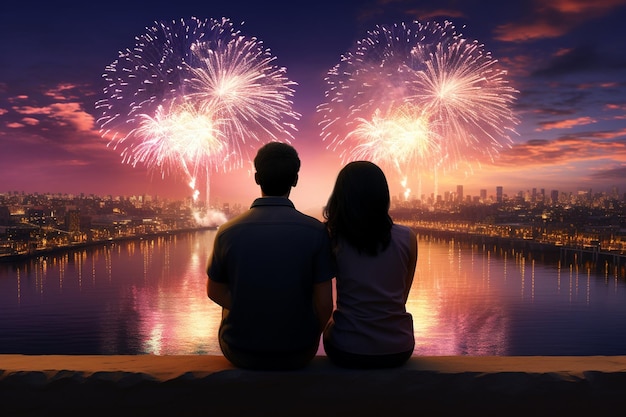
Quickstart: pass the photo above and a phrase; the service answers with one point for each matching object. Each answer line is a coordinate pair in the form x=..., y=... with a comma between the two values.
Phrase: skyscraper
x=499, y=194
x=554, y=196
x=72, y=221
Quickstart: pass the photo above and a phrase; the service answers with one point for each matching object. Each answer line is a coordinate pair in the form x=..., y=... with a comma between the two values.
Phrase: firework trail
x=194, y=96
x=418, y=97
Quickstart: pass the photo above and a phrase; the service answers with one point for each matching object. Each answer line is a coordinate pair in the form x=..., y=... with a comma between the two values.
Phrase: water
x=134, y=297
x=149, y=296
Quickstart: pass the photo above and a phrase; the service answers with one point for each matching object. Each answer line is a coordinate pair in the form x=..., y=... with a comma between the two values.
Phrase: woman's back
x=375, y=265
x=371, y=317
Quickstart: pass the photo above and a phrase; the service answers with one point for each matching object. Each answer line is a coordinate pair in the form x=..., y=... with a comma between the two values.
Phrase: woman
x=376, y=259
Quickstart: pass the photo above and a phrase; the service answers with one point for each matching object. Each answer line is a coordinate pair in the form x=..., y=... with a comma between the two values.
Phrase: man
x=271, y=271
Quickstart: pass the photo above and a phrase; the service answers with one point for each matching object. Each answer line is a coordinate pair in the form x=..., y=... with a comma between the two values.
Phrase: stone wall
x=209, y=386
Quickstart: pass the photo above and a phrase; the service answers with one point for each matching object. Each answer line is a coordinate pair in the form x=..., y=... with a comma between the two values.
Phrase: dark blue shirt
x=270, y=257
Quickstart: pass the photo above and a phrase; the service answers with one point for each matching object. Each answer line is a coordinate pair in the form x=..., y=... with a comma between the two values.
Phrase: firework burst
x=422, y=81
x=194, y=96
x=401, y=136
x=178, y=137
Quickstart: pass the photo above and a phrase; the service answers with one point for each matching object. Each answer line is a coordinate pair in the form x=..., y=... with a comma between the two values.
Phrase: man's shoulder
x=306, y=218
x=275, y=212
x=233, y=222
x=290, y=217
x=277, y=217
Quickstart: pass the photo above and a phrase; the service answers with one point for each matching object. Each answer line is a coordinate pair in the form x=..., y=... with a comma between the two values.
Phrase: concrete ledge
x=209, y=386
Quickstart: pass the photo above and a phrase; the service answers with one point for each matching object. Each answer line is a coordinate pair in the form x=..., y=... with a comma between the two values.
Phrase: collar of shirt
x=272, y=201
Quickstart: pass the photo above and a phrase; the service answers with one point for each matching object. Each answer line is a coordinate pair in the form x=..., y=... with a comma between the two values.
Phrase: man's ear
x=295, y=181
x=256, y=177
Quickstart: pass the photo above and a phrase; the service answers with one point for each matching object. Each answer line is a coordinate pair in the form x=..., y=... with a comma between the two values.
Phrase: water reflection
x=450, y=302
x=478, y=300
x=145, y=296
x=148, y=296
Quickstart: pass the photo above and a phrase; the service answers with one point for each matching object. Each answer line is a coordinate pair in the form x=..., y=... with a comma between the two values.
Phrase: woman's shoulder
x=406, y=238
x=402, y=229
x=403, y=233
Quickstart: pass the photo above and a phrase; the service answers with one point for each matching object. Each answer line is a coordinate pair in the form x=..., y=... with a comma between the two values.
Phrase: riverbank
x=615, y=262
x=149, y=385
x=23, y=256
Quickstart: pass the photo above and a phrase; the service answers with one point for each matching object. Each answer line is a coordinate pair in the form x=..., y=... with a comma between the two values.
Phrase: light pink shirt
x=371, y=318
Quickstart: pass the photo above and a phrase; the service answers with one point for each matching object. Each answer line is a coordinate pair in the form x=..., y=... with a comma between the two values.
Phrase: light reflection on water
x=144, y=296
x=149, y=296
x=484, y=301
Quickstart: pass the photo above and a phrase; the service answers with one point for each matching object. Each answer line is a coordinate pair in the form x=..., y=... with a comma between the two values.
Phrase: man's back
x=270, y=271
x=271, y=256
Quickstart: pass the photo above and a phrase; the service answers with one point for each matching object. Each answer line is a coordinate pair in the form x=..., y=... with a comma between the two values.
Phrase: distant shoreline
x=579, y=254
x=545, y=248
x=69, y=248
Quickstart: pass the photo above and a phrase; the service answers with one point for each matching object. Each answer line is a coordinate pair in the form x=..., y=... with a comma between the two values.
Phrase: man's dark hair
x=277, y=165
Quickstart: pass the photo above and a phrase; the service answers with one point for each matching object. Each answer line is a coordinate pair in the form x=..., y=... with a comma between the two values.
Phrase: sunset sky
x=566, y=58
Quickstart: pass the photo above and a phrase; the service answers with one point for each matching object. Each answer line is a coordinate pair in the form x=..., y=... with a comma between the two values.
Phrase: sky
x=565, y=59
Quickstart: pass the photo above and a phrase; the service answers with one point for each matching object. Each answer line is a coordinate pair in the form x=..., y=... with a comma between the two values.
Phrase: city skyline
x=485, y=194
x=565, y=59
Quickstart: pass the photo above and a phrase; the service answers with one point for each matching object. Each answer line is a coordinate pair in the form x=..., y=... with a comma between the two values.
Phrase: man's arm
x=323, y=302
x=219, y=293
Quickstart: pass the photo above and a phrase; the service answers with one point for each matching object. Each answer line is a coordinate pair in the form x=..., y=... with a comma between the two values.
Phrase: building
x=554, y=196
x=5, y=216
x=72, y=221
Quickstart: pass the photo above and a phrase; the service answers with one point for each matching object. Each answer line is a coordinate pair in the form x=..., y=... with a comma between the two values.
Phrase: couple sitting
x=272, y=268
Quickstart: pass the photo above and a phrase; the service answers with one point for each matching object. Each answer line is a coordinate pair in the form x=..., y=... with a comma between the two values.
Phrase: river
x=148, y=296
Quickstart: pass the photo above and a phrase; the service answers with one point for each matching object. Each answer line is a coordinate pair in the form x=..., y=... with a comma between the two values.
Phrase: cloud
x=63, y=91
x=616, y=173
x=581, y=7
x=406, y=8
x=550, y=19
x=30, y=121
x=73, y=114
x=581, y=58
x=565, y=124
x=31, y=110
x=21, y=97
x=611, y=135
x=553, y=111
x=523, y=32
x=566, y=150
x=62, y=114
x=65, y=109
x=615, y=106
x=429, y=14
x=76, y=163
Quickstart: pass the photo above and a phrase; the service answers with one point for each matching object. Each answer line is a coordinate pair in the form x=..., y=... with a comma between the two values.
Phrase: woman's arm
x=412, y=263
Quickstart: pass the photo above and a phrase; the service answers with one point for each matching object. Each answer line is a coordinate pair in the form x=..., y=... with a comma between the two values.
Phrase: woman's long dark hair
x=358, y=208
